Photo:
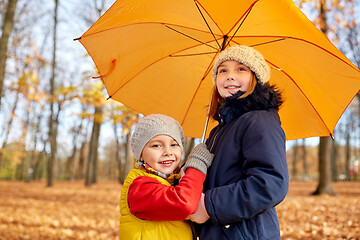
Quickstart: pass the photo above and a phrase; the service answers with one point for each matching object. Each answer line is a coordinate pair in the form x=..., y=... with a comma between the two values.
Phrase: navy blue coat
x=249, y=174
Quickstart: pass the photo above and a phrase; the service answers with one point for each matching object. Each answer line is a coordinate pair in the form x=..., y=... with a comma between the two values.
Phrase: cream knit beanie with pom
x=151, y=126
x=247, y=56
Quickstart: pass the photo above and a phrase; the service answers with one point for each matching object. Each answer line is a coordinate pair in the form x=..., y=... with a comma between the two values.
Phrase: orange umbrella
x=155, y=57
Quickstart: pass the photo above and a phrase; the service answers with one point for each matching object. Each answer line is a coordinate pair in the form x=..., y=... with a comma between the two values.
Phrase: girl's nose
x=167, y=151
x=230, y=77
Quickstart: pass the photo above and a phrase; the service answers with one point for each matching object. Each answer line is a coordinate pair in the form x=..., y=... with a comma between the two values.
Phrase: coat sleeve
x=149, y=199
x=264, y=180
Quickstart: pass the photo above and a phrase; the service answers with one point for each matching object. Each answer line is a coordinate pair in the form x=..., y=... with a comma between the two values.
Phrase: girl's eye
x=174, y=144
x=156, y=145
x=222, y=70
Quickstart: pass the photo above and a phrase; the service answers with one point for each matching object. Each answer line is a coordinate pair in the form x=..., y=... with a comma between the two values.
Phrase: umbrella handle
x=207, y=120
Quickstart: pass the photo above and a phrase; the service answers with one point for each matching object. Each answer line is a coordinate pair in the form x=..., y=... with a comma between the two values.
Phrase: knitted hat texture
x=247, y=56
x=151, y=126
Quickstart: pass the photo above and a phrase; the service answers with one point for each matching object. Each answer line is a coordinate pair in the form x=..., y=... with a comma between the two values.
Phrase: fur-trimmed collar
x=264, y=97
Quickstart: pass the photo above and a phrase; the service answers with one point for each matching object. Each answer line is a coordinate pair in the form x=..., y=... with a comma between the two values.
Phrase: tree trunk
x=117, y=151
x=19, y=173
x=9, y=124
x=304, y=157
x=27, y=160
x=34, y=126
x=294, y=160
x=129, y=160
x=22, y=169
x=6, y=31
x=69, y=166
x=37, y=169
x=91, y=176
x=80, y=169
x=347, y=157
x=69, y=169
x=89, y=168
x=325, y=186
x=52, y=124
x=38, y=158
x=123, y=147
x=334, y=157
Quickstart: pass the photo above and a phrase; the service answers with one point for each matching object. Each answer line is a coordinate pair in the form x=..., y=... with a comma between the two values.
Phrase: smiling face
x=232, y=77
x=162, y=153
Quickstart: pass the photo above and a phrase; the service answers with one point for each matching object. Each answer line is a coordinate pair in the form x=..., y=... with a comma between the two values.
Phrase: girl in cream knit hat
x=249, y=175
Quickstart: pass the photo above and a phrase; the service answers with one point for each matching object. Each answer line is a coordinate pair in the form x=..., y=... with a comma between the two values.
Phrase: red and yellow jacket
x=146, y=197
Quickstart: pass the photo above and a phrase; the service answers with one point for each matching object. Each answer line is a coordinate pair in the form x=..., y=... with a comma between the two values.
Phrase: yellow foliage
x=85, y=115
x=14, y=153
x=98, y=118
x=93, y=95
x=34, y=78
x=126, y=131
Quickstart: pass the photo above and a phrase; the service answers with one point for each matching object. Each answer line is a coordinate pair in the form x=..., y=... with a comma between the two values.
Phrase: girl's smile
x=167, y=163
x=232, y=77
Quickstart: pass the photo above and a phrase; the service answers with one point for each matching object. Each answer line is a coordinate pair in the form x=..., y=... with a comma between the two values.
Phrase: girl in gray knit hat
x=151, y=206
x=249, y=175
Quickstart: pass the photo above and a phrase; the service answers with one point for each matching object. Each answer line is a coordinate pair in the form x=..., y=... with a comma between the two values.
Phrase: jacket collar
x=171, y=178
x=264, y=97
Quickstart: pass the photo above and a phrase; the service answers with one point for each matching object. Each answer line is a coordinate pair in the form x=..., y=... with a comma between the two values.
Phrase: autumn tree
x=325, y=177
x=53, y=123
x=70, y=162
x=295, y=159
x=93, y=96
x=123, y=118
x=304, y=159
x=347, y=34
x=22, y=92
x=94, y=9
x=336, y=19
x=7, y=27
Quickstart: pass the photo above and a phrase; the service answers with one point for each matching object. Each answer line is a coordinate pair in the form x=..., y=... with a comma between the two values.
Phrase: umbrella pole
x=205, y=128
x=207, y=120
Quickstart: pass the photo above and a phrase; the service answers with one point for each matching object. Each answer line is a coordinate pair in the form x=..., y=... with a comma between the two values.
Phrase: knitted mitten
x=200, y=158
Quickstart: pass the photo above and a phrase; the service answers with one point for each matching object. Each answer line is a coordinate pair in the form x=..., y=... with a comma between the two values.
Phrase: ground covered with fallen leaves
x=69, y=210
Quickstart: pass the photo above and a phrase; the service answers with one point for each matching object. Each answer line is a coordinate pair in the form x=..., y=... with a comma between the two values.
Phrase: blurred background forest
x=55, y=121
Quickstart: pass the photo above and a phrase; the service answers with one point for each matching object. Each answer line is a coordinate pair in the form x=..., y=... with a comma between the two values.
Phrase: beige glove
x=200, y=158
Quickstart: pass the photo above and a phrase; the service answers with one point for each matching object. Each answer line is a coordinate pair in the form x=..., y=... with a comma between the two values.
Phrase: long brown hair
x=216, y=99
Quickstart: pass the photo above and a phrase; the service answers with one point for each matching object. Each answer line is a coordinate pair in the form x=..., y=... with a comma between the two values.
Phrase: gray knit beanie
x=247, y=56
x=151, y=126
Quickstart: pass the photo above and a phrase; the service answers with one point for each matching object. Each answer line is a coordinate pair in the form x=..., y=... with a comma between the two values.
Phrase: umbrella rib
x=129, y=80
x=141, y=23
x=197, y=89
x=297, y=39
x=263, y=43
x=190, y=36
x=202, y=15
x=303, y=93
x=247, y=14
x=193, y=54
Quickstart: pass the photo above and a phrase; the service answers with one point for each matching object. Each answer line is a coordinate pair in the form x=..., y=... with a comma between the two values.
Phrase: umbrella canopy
x=156, y=57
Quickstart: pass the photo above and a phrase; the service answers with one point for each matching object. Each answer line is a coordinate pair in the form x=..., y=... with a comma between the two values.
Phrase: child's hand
x=201, y=214
x=200, y=158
